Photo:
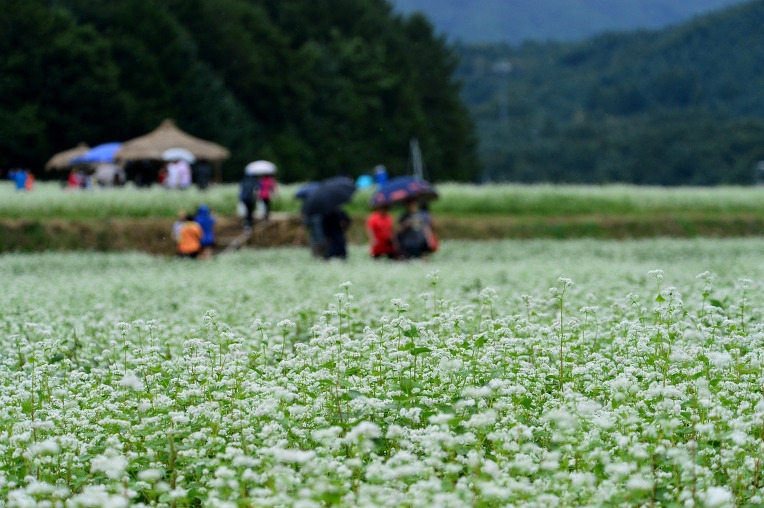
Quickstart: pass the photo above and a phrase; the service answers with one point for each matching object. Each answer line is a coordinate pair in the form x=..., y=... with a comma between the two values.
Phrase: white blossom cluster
x=269, y=379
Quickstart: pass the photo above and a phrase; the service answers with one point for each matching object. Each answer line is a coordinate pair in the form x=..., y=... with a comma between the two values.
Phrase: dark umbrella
x=401, y=189
x=304, y=191
x=329, y=195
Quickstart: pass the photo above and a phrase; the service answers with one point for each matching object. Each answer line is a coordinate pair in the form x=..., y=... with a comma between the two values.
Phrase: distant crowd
x=324, y=220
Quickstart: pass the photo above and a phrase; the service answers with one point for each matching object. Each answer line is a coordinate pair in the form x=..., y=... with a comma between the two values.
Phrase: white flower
x=150, y=475
x=719, y=359
x=47, y=447
x=639, y=482
x=130, y=380
x=717, y=497
x=364, y=430
x=291, y=456
x=110, y=463
x=97, y=496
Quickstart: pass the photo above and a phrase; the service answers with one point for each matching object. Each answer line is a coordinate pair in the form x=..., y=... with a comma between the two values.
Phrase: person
x=380, y=174
x=411, y=235
x=429, y=229
x=19, y=177
x=184, y=173
x=247, y=189
x=171, y=182
x=75, y=180
x=206, y=221
x=334, y=224
x=267, y=189
x=188, y=235
x=161, y=176
x=203, y=172
x=379, y=228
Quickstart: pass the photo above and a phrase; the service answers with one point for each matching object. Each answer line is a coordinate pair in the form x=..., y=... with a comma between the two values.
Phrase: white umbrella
x=174, y=154
x=260, y=168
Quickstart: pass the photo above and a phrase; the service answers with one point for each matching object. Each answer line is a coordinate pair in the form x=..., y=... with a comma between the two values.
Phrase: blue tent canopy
x=99, y=153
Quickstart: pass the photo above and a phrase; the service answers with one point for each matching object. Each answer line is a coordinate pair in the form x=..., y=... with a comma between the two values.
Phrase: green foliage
x=318, y=87
x=680, y=106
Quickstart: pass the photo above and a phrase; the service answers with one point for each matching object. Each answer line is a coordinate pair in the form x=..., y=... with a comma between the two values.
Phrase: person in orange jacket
x=188, y=236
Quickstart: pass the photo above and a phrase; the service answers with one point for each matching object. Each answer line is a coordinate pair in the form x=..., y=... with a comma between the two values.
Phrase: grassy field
x=535, y=373
x=48, y=200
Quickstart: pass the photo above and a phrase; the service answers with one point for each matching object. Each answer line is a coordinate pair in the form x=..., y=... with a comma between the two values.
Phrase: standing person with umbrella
x=335, y=223
x=325, y=221
x=247, y=189
x=264, y=170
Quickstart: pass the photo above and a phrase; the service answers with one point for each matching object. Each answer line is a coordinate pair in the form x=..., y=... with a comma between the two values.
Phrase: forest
x=320, y=87
x=678, y=106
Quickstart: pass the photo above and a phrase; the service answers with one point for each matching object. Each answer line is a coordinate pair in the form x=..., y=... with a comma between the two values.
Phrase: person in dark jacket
x=334, y=225
x=202, y=174
x=412, y=232
x=247, y=189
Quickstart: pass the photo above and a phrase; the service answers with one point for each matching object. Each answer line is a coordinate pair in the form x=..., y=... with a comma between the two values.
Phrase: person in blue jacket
x=19, y=177
x=206, y=220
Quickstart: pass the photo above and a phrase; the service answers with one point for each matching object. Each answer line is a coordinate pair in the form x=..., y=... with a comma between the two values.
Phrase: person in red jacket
x=379, y=227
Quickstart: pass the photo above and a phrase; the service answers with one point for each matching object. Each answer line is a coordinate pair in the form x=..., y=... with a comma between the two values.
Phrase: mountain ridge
x=682, y=105
x=515, y=21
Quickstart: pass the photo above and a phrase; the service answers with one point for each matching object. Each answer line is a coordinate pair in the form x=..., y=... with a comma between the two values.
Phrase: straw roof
x=63, y=159
x=166, y=136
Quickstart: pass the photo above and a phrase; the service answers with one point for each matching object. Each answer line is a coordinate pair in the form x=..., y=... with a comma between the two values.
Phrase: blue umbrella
x=99, y=153
x=401, y=189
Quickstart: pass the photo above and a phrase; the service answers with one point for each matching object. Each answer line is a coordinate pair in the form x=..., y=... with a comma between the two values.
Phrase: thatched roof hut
x=166, y=136
x=62, y=160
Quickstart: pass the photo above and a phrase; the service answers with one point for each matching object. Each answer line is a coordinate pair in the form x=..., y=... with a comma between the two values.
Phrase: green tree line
x=319, y=87
x=678, y=106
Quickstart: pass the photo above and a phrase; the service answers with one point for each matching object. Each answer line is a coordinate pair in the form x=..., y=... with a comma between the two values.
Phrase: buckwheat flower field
x=535, y=373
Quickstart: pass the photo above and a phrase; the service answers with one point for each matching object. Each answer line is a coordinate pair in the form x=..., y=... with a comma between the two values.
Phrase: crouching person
x=188, y=236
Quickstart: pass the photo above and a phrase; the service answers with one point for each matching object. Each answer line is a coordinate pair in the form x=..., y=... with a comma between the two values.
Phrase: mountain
x=683, y=105
x=515, y=21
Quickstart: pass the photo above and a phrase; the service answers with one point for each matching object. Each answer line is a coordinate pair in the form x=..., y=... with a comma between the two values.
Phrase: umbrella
x=174, y=154
x=401, y=189
x=99, y=153
x=328, y=195
x=364, y=181
x=260, y=168
x=304, y=191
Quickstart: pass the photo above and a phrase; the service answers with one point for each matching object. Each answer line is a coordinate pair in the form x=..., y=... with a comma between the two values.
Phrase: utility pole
x=417, y=164
x=503, y=68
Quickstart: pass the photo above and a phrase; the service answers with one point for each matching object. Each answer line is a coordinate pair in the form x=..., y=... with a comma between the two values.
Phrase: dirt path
x=154, y=235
